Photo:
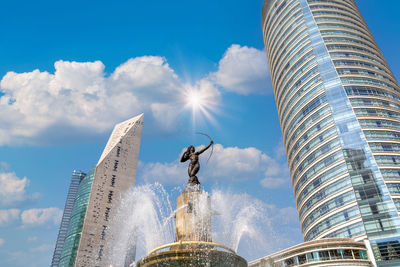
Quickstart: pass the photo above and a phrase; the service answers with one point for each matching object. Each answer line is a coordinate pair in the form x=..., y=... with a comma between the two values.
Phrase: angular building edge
x=114, y=173
x=118, y=133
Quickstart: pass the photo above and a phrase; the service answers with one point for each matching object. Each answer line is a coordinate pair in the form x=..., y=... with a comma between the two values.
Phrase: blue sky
x=70, y=70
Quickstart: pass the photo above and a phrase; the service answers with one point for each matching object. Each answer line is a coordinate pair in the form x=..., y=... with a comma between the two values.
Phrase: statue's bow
x=212, y=146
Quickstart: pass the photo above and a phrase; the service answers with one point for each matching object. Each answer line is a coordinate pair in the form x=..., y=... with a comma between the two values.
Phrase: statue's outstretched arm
x=204, y=149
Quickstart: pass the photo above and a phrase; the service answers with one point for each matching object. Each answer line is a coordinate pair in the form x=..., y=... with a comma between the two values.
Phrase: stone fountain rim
x=211, y=244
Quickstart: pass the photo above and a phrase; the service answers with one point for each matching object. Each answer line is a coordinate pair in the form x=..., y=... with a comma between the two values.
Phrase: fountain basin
x=192, y=253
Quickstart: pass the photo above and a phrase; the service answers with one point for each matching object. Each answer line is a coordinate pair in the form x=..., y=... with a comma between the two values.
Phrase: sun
x=195, y=99
x=202, y=102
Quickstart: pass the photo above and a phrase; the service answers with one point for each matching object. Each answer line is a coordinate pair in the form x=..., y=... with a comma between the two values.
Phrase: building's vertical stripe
x=68, y=255
x=76, y=179
x=379, y=214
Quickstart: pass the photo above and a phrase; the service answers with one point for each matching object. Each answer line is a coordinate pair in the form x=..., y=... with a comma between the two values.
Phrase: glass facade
x=325, y=252
x=338, y=104
x=76, y=179
x=73, y=236
x=325, y=256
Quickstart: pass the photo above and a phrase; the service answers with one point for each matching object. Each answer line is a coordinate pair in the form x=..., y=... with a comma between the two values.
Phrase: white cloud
x=230, y=163
x=168, y=173
x=32, y=238
x=280, y=151
x=13, y=189
x=272, y=183
x=80, y=100
x=289, y=215
x=237, y=163
x=277, y=174
x=2, y=241
x=42, y=248
x=243, y=70
x=8, y=216
x=37, y=217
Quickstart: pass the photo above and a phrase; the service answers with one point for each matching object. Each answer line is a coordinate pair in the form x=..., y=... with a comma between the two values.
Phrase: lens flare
x=202, y=102
x=195, y=100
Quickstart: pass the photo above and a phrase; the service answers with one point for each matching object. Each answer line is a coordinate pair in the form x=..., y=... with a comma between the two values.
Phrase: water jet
x=193, y=244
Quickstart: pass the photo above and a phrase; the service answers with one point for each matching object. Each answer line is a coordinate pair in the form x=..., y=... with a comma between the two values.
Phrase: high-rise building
x=89, y=231
x=339, y=107
x=70, y=249
x=76, y=179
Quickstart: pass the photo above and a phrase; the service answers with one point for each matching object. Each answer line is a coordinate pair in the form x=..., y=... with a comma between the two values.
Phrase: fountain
x=193, y=244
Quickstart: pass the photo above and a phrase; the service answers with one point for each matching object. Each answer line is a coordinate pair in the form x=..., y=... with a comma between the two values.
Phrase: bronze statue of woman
x=194, y=165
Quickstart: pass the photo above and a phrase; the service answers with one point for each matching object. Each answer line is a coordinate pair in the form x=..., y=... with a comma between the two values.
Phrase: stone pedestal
x=193, y=216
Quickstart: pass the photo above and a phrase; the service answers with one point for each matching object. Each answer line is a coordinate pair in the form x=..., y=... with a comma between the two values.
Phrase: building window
x=103, y=232
x=107, y=213
x=302, y=259
x=100, y=252
x=113, y=178
x=289, y=262
x=116, y=165
x=323, y=255
x=110, y=194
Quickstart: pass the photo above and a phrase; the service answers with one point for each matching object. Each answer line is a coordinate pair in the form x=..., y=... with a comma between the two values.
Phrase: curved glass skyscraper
x=339, y=108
